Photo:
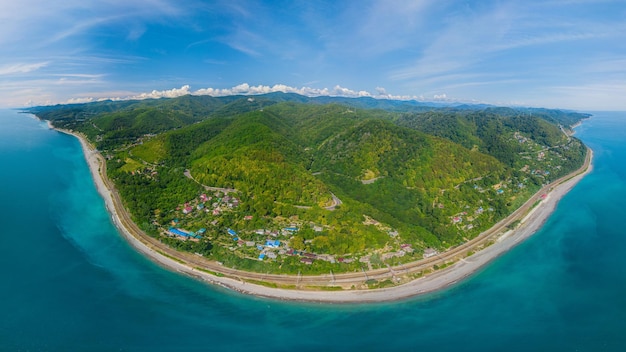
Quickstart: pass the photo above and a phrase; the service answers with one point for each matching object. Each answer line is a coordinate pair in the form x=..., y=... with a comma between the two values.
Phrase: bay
x=69, y=282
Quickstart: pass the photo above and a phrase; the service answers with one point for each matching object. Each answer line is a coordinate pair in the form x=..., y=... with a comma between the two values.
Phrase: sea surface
x=69, y=282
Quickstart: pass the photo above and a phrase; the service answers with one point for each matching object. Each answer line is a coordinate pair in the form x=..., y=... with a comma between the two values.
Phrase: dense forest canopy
x=348, y=182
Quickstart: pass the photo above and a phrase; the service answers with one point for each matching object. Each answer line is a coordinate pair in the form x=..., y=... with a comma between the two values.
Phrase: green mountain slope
x=255, y=156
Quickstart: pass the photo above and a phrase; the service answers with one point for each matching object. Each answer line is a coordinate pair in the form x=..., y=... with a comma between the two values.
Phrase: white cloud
x=171, y=93
x=246, y=89
x=339, y=91
x=241, y=89
x=79, y=100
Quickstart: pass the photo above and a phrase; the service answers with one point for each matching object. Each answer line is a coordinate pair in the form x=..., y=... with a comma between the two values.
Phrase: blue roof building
x=272, y=243
x=231, y=232
x=178, y=232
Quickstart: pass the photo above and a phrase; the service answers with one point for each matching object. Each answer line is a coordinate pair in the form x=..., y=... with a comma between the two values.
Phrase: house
x=307, y=261
x=188, y=209
x=271, y=255
x=261, y=256
x=201, y=231
x=407, y=248
x=272, y=243
x=247, y=217
x=291, y=229
x=200, y=206
x=203, y=198
x=429, y=252
x=456, y=220
x=541, y=155
x=177, y=232
x=231, y=232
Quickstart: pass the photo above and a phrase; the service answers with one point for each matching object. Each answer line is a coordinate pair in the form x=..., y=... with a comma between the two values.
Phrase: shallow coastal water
x=70, y=282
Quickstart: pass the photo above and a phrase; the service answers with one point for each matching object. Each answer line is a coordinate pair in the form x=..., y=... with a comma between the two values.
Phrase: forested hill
x=362, y=180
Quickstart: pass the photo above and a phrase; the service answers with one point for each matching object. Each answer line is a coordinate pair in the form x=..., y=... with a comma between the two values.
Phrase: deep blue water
x=69, y=282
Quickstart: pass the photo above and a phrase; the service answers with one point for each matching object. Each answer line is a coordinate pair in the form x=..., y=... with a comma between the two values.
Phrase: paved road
x=187, y=174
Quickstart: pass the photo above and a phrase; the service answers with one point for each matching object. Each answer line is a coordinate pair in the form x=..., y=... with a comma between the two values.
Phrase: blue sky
x=545, y=53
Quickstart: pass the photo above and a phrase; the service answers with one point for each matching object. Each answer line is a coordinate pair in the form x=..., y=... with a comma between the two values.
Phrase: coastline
x=495, y=243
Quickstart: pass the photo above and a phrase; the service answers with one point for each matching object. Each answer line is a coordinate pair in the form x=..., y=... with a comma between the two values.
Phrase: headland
x=429, y=275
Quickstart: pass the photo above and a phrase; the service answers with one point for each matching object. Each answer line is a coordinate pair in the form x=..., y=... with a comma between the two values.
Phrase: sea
x=70, y=282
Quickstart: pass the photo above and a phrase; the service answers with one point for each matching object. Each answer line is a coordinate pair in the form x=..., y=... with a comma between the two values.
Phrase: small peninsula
x=325, y=199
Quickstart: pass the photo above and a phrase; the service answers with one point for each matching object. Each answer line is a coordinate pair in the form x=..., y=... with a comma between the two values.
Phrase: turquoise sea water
x=69, y=282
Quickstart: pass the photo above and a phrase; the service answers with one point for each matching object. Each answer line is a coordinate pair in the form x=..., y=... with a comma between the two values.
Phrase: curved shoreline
x=495, y=243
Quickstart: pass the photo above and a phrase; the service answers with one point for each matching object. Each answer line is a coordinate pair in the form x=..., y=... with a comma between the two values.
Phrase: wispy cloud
x=79, y=75
x=472, y=39
x=21, y=68
x=600, y=96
